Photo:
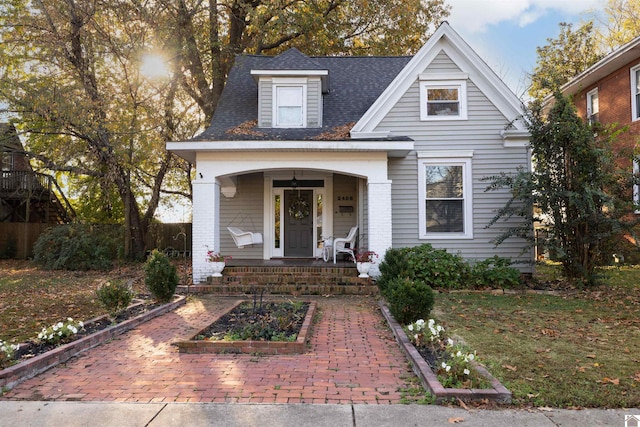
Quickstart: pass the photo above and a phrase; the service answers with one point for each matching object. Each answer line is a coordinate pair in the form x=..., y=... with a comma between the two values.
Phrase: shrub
x=76, y=247
x=394, y=265
x=409, y=299
x=436, y=267
x=494, y=272
x=115, y=297
x=6, y=353
x=161, y=277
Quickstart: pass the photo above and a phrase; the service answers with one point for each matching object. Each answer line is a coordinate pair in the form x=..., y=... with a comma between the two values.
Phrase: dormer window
x=289, y=103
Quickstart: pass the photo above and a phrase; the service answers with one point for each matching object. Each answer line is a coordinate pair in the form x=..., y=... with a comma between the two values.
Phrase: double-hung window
x=445, y=195
x=289, y=105
x=443, y=99
x=635, y=93
x=593, y=107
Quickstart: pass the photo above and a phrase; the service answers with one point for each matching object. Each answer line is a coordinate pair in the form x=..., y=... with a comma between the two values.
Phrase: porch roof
x=394, y=147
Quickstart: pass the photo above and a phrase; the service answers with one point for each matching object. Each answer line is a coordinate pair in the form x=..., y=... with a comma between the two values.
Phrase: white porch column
x=206, y=226
x=380, y=228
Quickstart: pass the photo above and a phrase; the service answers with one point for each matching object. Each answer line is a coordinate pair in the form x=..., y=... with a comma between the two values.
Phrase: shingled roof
x=356, y=82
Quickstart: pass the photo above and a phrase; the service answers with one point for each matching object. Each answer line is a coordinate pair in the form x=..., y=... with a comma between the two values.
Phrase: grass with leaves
x=573, y=348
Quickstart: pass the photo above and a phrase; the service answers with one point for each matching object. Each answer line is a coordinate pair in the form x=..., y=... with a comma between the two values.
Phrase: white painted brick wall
x=206, y=227
x=380, y=227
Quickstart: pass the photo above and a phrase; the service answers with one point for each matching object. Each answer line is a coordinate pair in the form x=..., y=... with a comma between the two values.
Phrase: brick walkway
x=352, y=358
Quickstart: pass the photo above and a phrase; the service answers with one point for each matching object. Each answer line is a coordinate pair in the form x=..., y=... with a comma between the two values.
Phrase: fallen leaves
x=510, y=368
x=605, y=380
x=456, y=420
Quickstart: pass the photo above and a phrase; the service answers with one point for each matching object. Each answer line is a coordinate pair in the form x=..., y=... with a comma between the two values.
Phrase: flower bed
x=202, y=342
x=31, y=367
x=496, y=391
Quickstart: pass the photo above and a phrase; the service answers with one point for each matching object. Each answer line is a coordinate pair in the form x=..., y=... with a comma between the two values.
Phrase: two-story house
x=609, y=92
x=301, y=148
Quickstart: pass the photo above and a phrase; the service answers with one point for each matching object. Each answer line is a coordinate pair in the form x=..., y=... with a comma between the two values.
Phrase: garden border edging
x=498, y=392
x=14, y=375
x=250, y=346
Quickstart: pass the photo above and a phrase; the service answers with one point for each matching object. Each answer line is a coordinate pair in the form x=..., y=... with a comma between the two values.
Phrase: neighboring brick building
x=609, y=92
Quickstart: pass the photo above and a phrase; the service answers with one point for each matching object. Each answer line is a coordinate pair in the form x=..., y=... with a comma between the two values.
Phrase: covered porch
x=332, y=187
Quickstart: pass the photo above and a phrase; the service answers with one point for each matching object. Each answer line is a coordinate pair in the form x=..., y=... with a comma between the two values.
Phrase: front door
x=298, y=224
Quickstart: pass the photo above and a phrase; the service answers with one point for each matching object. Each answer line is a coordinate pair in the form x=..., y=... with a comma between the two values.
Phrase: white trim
x=459, y=85
x=635, y=108
x=467, y=186
x=593, y=93
x=287, y=73
x=189, y=150
x=515, y=138
x=289, y=83
x=451, y=154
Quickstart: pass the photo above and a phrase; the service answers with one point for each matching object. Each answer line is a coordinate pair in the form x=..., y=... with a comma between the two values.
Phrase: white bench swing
x=244, y=238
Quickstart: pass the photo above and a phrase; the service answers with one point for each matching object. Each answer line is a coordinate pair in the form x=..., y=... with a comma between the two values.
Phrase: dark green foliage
x=409, y=300
x=115, y=297
x=436, y=267
x=77, y=247
x=394, y=265
x=493, y=272
x=161, y=277
x=575, y=183
x=10, y=248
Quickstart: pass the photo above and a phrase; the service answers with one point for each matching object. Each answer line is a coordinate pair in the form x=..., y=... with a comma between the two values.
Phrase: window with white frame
x=443, y=100
x=445, y=191
x=289, y=105
x=635, y=93
x=593, y=107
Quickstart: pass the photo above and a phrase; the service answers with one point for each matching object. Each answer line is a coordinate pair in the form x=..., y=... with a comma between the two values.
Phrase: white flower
x=69, y=319
x=59, y=333
x=410, y=328
x=81, y=324
x=466, y=372
x=70, y=327
x=444, y=365
x=471, y=356
x=448, y=368
x=459, y=353
x=449, y=342
x=55, y=327
x=60, y=324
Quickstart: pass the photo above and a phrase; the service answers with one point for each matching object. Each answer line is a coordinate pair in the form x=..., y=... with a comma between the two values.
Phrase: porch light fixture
x=294, y=181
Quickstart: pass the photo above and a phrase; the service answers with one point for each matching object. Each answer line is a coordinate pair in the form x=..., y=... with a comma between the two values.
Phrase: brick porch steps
x=298, y=280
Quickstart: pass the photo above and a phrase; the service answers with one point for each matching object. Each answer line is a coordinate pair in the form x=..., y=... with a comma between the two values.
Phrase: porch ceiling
x=393, y=147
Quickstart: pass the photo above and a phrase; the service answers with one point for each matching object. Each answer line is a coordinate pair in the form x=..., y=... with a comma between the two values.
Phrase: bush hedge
x=77, y=247
x=161, y=277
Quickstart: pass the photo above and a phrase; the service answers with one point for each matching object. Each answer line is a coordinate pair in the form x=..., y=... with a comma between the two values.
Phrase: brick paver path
x=351, y=358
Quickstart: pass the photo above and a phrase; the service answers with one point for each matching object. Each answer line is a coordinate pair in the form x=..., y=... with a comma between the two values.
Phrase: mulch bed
x=249, y=321
x=33, y=348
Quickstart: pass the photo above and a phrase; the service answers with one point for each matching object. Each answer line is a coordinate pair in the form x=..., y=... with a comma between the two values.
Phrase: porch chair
x=346, y=245
x=243, y=238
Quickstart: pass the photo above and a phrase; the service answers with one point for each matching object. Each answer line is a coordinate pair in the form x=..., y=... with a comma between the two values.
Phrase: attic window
x=289, y=105
x=443, y=100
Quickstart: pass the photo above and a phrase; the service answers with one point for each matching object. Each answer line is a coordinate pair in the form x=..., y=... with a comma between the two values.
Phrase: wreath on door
x=299, y=208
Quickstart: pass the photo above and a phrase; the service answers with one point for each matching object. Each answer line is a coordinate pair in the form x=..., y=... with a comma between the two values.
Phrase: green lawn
x=576, y=349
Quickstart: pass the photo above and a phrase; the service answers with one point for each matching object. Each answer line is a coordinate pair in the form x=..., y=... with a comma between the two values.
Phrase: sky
x=505, y=33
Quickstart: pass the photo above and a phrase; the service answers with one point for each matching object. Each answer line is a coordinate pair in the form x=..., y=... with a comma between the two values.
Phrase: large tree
x=71, y=77
x=620, y=23
x=563, y=58
x=575, y=187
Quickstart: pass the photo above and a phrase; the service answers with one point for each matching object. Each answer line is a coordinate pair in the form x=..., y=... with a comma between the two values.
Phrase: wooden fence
x=173, y=239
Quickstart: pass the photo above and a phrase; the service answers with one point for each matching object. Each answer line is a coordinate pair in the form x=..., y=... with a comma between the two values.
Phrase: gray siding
x=345, y=186
x=265, y=103
x=480, y=133
x=244, y=211
x=314, y=103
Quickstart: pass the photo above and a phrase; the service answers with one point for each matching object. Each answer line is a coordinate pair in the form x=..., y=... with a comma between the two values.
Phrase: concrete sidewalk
x=71, y=414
